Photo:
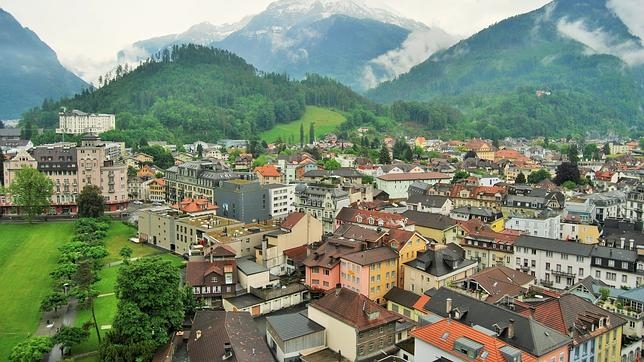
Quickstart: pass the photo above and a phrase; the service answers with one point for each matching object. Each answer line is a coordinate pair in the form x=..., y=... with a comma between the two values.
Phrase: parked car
x=137, y=202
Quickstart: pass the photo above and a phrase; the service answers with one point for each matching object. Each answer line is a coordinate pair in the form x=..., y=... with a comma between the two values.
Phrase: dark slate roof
x=429, y=220
x=402, y=297
x=556, y=245
x=370, y=256
x=244, y=300
x=614, y=253
x=441, y=261
x=428, y=200
x=477, y=211
x=219, y=327
x=294, y=325
x=530, y=335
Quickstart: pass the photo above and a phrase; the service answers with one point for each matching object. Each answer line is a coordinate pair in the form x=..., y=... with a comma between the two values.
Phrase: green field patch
x=28, y=253
x=326, y=121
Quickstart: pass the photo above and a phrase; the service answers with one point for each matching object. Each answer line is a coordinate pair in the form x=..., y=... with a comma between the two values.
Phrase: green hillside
x=326, y=121
x=494, y=76
x=193, y=92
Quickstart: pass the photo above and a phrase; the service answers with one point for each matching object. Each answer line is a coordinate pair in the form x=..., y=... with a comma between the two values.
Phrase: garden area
x=30, y=252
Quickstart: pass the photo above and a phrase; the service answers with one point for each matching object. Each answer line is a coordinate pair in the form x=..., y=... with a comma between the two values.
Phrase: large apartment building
x=77, y=122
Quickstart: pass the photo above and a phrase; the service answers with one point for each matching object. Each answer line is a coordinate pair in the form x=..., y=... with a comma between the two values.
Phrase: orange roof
x=509, y=155
x=444, y=333
x=190, y=205
x=159, y=181
x=420, y=303
x=410, y=176
x=268, y=171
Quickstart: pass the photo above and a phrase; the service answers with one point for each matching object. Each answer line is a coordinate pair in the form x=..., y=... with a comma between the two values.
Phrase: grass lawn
x=326, y=121
x=28, y=253
x=118, y=236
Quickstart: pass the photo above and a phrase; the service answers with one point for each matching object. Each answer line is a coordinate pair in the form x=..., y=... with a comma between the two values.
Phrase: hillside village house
x=438, y=266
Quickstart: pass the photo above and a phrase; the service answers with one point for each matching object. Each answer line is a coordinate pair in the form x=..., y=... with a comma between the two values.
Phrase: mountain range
x=29, y=70
x=347, y=40
x=571, y=62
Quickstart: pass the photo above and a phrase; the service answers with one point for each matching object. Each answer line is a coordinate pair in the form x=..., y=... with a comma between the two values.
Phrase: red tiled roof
x=189, y=205
x=291, y=220
x=268, y=171
x=352, y=308
x=409, y=176
x=420, y=303
x=297, y=254
x=444, y=333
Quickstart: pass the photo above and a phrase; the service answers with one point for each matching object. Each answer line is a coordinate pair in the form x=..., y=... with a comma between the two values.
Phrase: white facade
x=77, y=122
x=282, y=200
x=554, y=263
x=543, y=228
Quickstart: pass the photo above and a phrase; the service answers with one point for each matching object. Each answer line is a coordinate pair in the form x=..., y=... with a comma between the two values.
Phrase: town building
x=214, y=276
x=297, y=229
x=494, y=283
x=243, y=199
x=397, y=184
x=370, y=272
x=361, y=329
x=322, y=201
x=281, y=200
x=289, y=335
x=77, y=122
x=554, y=263
x=515, y=330
x=440, y=265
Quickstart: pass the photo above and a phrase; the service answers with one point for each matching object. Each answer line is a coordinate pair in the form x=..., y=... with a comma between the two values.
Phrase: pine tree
x=312, y=133
x=384, y=157
x=302, y=134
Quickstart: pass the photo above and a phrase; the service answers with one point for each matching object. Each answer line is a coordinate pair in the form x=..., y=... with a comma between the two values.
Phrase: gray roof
x=530, y=335
x=245, y=300
x=614, y=253
x=556, y=245
x=294, y=325
x=429, y=220
x=636, y=294
x=478, y=211
x=249, y=267
x=441, y=261
x=401, y=296
x=428, y=200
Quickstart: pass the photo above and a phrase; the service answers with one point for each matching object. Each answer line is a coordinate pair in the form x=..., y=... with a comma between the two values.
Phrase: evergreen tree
x=606, y=149
x=312, y=133
x=520, y=179
x=573, y=154
x=384, y=157
x=301, y=134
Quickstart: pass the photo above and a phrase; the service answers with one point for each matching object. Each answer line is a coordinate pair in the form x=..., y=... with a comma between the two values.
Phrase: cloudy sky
x=85, y=32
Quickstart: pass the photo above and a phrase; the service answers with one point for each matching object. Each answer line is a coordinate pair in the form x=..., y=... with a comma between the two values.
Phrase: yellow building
x=371, y=272
x=432, y=226
x=402, y=302
x=581, y=232
x=483, y=149
x=407, y=244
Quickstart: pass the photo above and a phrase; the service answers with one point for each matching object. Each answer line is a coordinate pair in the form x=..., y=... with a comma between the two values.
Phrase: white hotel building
x=77, y=122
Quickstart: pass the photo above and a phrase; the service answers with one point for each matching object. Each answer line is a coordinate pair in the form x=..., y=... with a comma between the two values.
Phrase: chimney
x=198, y=334
x=511, y=328
x=448, y=305
x=621, y=242
x=533, y=309
x=338, y=288
x=631, y=244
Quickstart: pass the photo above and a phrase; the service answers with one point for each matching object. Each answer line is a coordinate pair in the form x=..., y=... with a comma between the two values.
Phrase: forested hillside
x=193, y=92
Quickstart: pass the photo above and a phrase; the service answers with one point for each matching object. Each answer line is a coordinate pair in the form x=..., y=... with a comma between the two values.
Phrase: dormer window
x=359, y=218
x=370, y=220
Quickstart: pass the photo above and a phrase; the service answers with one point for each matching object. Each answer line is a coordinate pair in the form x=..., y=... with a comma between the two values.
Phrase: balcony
x=525, y=268
x=563, y=273
x=546, y=283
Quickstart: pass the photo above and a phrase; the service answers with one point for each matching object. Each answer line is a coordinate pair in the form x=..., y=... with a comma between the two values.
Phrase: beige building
x=71, y=168
x=77, y=122
x=297, y=229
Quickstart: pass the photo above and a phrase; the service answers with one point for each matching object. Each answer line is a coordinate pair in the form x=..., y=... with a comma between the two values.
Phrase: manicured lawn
x=326, y=121
x=118, y=236
x=28, y=253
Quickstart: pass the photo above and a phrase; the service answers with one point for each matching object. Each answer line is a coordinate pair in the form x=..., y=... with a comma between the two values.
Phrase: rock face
x=29, y=70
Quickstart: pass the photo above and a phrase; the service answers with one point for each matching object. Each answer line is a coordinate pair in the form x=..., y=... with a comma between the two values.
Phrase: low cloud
x=89, y=69
x=630, y=12
x=418, y=46
x=599, y=41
